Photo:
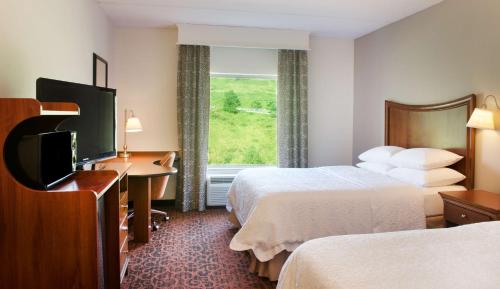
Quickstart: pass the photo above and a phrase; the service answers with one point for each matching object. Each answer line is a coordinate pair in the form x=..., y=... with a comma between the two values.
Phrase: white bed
x=279, y=209
x=457, y=258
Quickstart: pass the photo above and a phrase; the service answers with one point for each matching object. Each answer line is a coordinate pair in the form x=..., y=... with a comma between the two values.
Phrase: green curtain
x=193, y=108
x=292, y=108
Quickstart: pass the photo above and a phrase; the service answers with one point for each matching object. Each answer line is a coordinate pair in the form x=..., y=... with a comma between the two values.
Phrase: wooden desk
x=140, y=174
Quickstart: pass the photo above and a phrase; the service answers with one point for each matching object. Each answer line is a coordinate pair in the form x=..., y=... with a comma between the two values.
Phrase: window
x=242, y=120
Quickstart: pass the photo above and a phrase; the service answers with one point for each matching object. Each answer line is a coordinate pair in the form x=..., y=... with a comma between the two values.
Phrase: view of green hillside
x=242, y=121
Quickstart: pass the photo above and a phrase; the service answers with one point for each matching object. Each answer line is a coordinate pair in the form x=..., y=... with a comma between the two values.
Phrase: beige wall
x=331, y=74
x=442, y=53
x=50, y=38
x=145, y=76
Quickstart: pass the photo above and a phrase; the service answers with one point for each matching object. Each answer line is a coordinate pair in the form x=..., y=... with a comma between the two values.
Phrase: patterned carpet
x=191, y=251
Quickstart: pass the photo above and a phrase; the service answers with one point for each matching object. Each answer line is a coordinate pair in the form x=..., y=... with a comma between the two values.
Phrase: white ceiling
x=339, y=18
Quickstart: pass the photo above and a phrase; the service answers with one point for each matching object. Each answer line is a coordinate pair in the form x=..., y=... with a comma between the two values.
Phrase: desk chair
x=158, y=186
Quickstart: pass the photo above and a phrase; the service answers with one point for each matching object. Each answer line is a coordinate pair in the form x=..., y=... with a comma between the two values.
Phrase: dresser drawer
x=461, y=216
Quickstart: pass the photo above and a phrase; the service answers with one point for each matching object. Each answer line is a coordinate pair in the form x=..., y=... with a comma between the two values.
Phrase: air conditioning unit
x=217, y=188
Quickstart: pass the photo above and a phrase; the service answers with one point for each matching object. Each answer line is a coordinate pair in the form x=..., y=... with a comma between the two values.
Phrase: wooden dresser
x=122, y=169
x=71, y=236
x=473, y=206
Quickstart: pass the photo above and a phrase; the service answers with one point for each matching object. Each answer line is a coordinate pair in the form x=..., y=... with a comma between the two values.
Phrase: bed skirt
x=270, y=269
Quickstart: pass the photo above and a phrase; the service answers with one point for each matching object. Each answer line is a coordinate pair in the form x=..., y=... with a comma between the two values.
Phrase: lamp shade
x=133, y=125
x=481, y=118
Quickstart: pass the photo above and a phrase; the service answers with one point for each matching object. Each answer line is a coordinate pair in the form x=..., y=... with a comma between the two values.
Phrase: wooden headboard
x=441, y=125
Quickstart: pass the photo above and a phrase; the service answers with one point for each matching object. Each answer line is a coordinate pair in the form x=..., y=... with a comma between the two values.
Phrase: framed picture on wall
x=100, y=71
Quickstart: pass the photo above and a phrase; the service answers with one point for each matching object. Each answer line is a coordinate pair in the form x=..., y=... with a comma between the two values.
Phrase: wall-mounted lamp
x=482, y=117
x=132, y=124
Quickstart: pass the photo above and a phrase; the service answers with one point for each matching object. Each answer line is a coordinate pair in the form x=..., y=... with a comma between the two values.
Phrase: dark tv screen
x=95, y=126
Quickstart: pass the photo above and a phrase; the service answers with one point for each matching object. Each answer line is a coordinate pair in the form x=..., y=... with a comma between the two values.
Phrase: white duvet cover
x=279, y=209
x=464, y=257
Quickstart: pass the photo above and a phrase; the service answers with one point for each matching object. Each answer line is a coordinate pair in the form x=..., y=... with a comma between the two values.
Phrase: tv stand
x=82, y=167
x=72, y=236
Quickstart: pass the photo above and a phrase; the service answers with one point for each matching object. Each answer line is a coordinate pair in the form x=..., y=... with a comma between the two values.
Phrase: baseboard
x=171, y=203
x=162, y=203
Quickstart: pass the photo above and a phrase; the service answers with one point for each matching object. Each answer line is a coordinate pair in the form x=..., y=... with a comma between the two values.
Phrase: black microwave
x=45, y=159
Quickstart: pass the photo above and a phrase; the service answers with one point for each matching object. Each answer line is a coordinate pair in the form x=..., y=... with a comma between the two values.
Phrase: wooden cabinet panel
x=124, y=261
x=123, y=207
x=472, y=206
x=123, y=232
x=123, y=248
x=462, y=216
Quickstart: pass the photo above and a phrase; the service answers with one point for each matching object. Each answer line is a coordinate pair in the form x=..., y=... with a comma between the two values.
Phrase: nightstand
x=467, y=207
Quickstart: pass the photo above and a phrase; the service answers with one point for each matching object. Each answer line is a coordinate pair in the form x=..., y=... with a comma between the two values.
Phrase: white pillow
x=380, y=154
x=424, y=158
x=375, y=167
x=429, y=178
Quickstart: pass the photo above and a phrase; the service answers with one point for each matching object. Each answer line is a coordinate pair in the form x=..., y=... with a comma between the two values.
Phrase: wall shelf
x=58, y=112
x=59, y=108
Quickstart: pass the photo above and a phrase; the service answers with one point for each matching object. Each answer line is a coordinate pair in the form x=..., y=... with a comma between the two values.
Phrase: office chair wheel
x=166, y=218
x=155, y=226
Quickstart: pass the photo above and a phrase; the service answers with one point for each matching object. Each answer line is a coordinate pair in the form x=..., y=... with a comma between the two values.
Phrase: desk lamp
x=132, y=124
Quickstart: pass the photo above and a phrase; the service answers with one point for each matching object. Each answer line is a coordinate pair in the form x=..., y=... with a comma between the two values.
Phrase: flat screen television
x=95, y=127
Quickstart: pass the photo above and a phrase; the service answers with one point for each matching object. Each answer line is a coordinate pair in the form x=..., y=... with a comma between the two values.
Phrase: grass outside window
x=242, y=121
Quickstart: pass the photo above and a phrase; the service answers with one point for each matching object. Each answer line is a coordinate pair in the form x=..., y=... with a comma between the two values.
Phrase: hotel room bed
x=279, y=209
x=456, y=258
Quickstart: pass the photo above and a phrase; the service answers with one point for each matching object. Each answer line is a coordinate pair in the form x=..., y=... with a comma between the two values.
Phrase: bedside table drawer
x=462, y=216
